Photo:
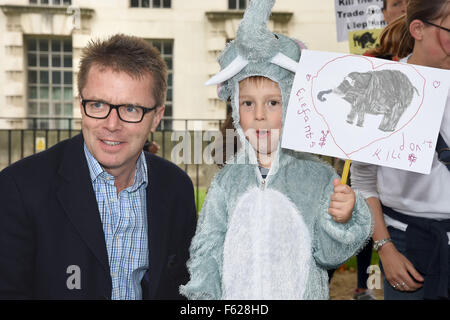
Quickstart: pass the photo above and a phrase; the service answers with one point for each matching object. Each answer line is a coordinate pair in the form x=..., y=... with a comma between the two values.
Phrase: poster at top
x=366, y=109
x=357, y=15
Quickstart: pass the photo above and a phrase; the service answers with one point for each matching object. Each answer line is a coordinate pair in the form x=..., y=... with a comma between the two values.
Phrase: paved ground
x=343, y=284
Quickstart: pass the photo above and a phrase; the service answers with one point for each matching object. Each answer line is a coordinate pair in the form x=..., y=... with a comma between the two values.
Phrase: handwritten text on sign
x=366, y=109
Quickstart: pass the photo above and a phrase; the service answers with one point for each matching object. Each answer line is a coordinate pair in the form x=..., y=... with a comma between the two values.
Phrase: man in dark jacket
x=95, y=217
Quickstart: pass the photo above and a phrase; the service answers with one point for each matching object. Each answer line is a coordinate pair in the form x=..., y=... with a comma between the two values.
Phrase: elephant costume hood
x=256, y=51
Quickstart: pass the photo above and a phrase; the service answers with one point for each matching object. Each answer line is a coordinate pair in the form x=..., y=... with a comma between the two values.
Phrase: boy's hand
x=342, y=202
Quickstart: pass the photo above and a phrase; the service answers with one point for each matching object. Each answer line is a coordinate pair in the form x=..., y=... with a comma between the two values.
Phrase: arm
x=397, y=268
x=205, y=263
x=16, y=243
x=335, y=241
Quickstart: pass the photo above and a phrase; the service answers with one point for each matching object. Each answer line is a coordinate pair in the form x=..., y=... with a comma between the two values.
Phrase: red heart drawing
x=436, y=84
x=347, y=133
x=308, y=77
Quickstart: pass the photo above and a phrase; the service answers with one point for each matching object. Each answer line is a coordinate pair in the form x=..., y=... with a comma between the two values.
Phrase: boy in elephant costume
x=273, y=220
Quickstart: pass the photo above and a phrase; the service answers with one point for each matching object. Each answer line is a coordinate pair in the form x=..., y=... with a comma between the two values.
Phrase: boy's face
x=260, y=112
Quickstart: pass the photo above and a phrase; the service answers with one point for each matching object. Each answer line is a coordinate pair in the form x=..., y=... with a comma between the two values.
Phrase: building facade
x=42, y=40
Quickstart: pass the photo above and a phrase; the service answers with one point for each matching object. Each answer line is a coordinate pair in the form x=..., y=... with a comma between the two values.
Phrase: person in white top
x=419, y=201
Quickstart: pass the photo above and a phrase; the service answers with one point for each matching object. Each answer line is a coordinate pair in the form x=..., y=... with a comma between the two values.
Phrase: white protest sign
x=366, y=109
x=357, y=15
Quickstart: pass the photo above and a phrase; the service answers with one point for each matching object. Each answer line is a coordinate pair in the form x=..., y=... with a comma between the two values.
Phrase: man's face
x=114, y=143
x=394, y=9
x=260, y=112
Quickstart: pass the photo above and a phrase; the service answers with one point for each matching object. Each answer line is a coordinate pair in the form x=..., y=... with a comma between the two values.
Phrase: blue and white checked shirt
x=124, y=219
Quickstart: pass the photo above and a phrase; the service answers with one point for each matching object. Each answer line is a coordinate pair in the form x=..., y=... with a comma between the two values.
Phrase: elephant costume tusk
x=285, y=62
x=229, y=72
x=240, y=63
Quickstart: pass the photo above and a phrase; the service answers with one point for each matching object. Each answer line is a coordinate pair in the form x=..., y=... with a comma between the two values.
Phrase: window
x=237, y=4
x=49, y=81
x=165, y=47
x=51, y=2
x=151, y=3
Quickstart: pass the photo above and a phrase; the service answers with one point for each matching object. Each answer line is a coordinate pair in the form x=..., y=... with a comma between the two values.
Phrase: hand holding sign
x=342, y=202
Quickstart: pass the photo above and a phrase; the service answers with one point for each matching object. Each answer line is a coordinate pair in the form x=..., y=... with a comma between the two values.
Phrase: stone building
x=41, y=43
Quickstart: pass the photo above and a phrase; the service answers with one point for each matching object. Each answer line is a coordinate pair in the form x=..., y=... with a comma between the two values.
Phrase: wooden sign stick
x=345, y=172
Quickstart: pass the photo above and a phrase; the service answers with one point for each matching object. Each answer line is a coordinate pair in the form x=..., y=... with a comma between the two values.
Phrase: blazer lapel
x=77, y=197
x=158, y=218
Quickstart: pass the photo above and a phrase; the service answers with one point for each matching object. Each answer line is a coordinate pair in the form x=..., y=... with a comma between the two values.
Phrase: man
x=94, y=217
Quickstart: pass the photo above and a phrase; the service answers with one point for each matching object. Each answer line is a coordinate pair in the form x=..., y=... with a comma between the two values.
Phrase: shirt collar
x=96, y=171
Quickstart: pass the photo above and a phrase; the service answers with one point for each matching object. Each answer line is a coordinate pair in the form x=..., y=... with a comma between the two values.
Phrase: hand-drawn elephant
x=386, y=92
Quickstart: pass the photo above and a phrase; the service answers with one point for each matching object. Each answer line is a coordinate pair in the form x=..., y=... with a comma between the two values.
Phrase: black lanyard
x=443, y=152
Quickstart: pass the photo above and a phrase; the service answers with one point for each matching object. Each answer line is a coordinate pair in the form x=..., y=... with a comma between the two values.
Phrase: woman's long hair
x=396, y=39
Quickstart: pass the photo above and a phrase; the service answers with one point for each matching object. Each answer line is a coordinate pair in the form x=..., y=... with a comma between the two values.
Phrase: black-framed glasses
x=131, y=113
x=436, y=25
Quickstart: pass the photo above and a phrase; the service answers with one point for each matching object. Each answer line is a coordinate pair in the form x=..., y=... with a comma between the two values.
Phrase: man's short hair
x=129, y=54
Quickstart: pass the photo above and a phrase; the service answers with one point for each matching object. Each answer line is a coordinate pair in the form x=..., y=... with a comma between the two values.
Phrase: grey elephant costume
x=268, y=238
x=385, y=92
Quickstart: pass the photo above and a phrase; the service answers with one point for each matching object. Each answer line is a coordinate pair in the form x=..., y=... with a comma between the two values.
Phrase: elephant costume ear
x=254, y=43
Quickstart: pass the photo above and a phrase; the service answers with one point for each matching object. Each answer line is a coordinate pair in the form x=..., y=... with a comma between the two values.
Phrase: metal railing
x=22, y=137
